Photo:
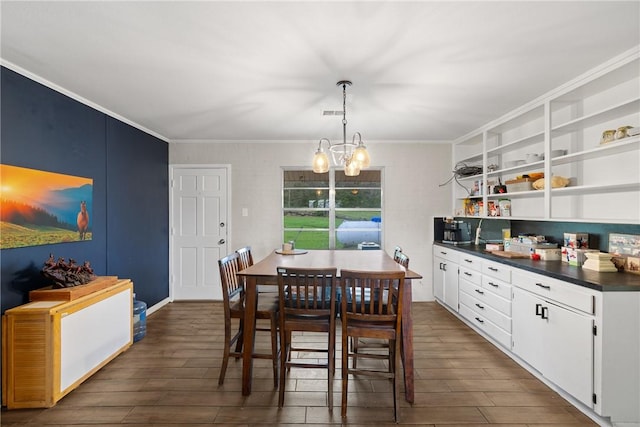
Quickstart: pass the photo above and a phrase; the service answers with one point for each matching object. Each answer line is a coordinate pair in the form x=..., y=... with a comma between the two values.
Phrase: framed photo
x=43, y=208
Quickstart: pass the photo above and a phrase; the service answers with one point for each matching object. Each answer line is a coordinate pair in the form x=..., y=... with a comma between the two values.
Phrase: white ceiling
x=235, y=70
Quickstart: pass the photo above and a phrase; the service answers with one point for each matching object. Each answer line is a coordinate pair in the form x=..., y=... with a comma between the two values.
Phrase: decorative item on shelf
x=352, y=156
x=576, y=240
x=599, y=261
x=633, y=131
x=575, y=256
x=622, y=132
x=67, y=274
x=556, y=182
x=608, y=136
x=632, y=265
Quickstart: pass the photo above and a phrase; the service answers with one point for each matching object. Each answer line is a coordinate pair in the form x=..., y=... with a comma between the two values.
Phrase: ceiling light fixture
x=353, y=156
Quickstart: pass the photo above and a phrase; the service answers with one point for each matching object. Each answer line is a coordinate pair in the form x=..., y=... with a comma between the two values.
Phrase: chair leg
x=394, y=363
x=345, y=371
x=284, y=354
x=227, y=351
x=274, y=349
x=331, y=361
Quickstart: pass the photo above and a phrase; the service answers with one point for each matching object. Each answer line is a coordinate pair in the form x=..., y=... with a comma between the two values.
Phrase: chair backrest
x=246, y=259
x=400, y=257
x=232, y=287
x=307, y=291
x=371, y=295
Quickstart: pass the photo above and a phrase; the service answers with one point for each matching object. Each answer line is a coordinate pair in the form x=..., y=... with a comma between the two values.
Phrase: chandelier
x=353, y=156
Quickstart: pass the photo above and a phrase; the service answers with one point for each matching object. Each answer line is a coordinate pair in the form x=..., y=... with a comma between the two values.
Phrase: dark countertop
x=605, y=282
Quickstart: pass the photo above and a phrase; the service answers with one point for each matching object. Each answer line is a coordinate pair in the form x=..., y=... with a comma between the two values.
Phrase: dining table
x=264, y=273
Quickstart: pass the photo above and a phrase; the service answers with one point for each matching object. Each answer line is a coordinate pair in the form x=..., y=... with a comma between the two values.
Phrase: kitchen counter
x=605, y=282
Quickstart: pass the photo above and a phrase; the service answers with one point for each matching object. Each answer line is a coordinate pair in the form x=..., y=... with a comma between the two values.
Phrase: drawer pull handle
x=480, y=306
x=479, y=320
x=467, y=260
x=443, y=253
x=493, y=284
x=543, y=286
x=492, y=268
x=479, y=291
x=466, y=273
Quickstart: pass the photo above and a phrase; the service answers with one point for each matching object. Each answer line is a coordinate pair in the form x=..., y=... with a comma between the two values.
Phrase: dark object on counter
x=457, y=232
x=67, y=274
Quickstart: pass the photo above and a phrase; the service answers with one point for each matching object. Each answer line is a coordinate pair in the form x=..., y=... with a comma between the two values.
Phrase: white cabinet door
x=438, y=278
x=451, y=285
x=556, y=341
x=445, y=282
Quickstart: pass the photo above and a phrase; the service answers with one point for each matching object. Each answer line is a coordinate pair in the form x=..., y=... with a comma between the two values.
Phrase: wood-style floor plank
x=170, y=378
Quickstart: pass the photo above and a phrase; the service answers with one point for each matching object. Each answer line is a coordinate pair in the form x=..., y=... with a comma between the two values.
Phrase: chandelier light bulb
x=320, y=162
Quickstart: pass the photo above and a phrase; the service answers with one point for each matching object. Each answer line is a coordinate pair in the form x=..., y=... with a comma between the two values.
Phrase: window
x=332, y=210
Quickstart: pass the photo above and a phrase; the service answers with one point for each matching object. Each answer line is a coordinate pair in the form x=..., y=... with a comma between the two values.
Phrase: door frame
x=172, y=168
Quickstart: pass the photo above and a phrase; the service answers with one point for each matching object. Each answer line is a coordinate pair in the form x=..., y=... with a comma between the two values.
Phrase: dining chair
x=359, y=346
x=400, y=257
x=233, y=295
x=307, y=303
x=370, y=310
x=246, y=260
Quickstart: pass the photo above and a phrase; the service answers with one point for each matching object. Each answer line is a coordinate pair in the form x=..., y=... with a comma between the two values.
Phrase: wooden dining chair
x=307, y=303
x=359, y=347
x=370, y=310
x=246, y=260
x=233, y=295
x=400, y=257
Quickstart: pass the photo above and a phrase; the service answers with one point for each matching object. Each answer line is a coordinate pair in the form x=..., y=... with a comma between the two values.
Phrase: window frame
x=331, y=210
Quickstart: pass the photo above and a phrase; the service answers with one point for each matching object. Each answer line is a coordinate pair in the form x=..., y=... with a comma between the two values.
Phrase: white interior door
x=199, y=199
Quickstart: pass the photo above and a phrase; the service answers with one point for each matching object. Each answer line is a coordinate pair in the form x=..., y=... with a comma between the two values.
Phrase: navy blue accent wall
x=138, y=211
x=43, y=129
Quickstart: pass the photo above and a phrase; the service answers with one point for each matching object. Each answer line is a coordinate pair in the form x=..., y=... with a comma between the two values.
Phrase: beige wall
x=412, y=197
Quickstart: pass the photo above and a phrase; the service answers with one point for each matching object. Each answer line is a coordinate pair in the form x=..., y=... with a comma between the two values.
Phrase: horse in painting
x=83, y=220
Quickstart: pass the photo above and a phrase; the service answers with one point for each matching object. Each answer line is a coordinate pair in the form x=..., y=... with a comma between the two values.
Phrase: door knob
x=222, y=224
x=221, y=242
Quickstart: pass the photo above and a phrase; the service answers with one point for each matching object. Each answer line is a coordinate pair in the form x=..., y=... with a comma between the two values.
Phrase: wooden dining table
x=264, y=272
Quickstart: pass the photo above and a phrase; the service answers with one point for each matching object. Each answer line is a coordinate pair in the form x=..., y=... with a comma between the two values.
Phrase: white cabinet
x=565, y=126
x=445, y=276
x=556, y=340
x=485, y=299
x=584, y=341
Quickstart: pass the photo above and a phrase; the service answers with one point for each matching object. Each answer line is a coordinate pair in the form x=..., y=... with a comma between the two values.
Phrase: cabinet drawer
x=496, y=286
x=470, y=288
x=446, y=253
x=573, y=296
x=487, y=298
x=485, y=310
x=481, y=322
x=471, y=275
x=470, y=262
x=496, y=270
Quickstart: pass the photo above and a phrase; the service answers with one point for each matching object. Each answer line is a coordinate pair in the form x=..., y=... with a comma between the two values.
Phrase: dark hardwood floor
x=170, y=378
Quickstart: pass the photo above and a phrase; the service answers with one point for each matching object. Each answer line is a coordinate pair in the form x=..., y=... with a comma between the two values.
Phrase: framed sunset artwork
x=43, y=208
